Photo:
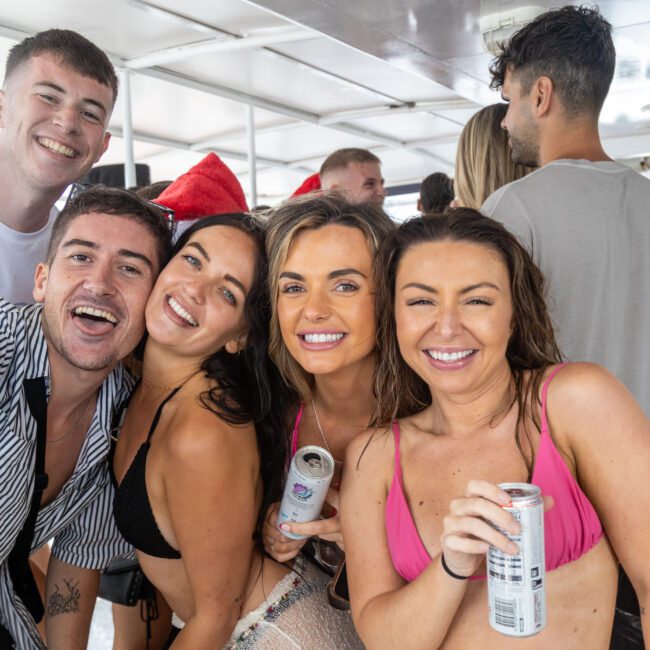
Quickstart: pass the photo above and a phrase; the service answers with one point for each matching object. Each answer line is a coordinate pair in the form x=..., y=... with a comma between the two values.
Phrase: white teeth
x=99, y=313
x=181, y=312
x=449, y=357
x=323, y=338
x=57, y=147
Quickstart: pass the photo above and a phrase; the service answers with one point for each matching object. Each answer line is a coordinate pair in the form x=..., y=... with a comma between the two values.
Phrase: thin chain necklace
x=165, y=389
x=320, y=428
x=73, y=427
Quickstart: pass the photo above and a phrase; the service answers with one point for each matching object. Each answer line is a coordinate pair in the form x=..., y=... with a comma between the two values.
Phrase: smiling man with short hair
x=60, y=384
x=55, y=105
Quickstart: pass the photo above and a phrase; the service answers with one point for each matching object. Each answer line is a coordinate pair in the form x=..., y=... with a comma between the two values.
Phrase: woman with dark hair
x=472, y=395
x=201, y=452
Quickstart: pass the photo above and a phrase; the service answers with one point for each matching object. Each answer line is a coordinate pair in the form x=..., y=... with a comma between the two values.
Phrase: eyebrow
x=200, y=249
x=236, y=282
x=227, y=277
x=124, y=252
x=87, y=100
x=331, y=276
x=471, y=287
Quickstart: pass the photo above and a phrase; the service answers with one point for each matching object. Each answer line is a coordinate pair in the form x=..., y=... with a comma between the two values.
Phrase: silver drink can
x=516, y=592
x=308, y=480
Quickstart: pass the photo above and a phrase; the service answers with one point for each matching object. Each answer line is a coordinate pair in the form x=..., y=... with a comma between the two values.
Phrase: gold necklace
x=165, y=389
x=73, y=427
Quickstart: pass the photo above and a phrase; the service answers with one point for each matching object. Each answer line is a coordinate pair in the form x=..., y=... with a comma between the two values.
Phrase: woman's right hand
x=277, y=545
x=467, y=531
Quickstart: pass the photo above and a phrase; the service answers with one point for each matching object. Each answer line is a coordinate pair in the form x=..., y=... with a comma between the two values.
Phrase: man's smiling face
x=53, y=121
x=95, y=290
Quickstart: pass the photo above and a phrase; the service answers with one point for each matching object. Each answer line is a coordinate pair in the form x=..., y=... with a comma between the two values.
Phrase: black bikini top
x=131, y=506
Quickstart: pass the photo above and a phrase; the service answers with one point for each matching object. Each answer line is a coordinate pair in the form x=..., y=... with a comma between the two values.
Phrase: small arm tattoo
x=66, y=602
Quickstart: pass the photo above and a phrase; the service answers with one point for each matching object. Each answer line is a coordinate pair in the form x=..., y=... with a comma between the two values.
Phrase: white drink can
x=516, y=592
x=308, y=480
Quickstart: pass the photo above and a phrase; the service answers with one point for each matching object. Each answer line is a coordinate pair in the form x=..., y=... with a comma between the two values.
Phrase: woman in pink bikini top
x=323, y=337
x=470, y=368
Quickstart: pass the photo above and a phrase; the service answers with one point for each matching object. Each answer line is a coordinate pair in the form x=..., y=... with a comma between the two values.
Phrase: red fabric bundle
x=207, y=188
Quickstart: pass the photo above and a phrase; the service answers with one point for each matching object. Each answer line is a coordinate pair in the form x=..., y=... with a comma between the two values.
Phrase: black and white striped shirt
x=80, y=518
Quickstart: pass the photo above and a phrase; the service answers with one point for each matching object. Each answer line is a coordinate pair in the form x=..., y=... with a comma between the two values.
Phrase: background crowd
x=166, y=350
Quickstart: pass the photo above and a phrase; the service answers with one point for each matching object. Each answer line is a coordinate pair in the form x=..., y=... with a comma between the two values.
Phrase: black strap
x=159, y=410
x=18, y=560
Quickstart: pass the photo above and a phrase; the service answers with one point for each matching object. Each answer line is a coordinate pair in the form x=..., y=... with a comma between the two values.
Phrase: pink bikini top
x=571, y=526
x=294, y=435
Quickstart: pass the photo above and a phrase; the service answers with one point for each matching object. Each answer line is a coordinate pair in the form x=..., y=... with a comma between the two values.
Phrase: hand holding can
x=516, y=592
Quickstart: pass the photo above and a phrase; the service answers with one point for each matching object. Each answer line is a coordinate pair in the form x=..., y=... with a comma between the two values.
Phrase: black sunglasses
x=166, y=213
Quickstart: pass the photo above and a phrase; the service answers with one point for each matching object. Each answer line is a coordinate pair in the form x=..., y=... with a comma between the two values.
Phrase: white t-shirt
x=587, y=226
x=20, y=252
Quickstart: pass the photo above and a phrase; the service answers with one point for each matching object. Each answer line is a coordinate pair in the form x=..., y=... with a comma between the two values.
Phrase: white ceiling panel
x=323, y=74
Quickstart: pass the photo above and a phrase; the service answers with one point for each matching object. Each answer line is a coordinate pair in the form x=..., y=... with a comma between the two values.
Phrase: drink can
x=516, y=592
x=308, y=480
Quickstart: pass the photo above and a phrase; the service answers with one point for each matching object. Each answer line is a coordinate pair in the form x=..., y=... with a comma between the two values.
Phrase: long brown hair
x=531, y=348
x=297, y=215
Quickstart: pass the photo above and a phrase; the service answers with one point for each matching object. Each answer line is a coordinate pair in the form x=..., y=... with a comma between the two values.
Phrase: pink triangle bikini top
x=571, y=526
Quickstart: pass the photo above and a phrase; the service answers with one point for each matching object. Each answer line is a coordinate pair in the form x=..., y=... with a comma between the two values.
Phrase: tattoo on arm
x=66, y=602
x=642, y=611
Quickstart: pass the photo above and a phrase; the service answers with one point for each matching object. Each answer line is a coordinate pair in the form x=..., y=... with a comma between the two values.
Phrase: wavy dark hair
x=572, y=46
x=531, y=348
x=247, y=386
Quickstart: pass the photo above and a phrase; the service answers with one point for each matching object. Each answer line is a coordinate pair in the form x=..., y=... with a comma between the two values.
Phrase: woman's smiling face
x=326, y=302
x=453, y=312
x=197, y=303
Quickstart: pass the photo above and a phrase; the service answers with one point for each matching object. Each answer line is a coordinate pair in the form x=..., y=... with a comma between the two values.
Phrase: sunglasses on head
x=166, y=213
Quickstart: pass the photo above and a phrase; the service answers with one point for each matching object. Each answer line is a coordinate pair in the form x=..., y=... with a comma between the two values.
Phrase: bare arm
x=69, y=603
x=609, y=437
x=210, y=479
x=389, y=612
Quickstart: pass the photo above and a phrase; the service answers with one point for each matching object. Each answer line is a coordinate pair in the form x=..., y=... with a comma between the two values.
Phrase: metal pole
x=252, y=161
x=127, y=129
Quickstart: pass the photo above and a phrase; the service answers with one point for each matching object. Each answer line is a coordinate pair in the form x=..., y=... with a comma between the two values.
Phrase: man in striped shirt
x=106, y=250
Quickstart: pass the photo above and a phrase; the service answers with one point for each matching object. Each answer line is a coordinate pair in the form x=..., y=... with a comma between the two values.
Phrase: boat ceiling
x=399, y=77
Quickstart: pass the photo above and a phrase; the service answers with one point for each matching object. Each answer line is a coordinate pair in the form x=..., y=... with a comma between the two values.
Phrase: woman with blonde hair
x=483, y=160
x=322, y=253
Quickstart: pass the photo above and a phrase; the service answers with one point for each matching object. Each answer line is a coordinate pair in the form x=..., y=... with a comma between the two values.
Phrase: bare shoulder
x=197, y=433
x=578, y=385
x=370, y=448
x=585, y=401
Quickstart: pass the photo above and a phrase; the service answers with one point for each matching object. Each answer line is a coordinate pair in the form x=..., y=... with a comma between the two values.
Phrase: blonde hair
x=483, y=159
x=285, y=223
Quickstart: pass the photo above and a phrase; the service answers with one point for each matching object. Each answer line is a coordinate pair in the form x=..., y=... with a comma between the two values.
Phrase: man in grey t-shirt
x=584, y=218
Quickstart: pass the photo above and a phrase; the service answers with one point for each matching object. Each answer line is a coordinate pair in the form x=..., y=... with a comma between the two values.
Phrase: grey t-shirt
x=587, y=226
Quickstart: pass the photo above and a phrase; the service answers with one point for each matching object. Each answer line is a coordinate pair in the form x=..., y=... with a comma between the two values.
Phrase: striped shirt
x=80, y=518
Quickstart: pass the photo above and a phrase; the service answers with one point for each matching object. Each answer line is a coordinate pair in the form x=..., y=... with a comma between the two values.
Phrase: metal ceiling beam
x=229, y=93
x=192, y=23
x=222, y=44
x=254, y=100
x=411, y=107
x=171, y=143
x=239, y=134
x=179, y=19
x=334, y=118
